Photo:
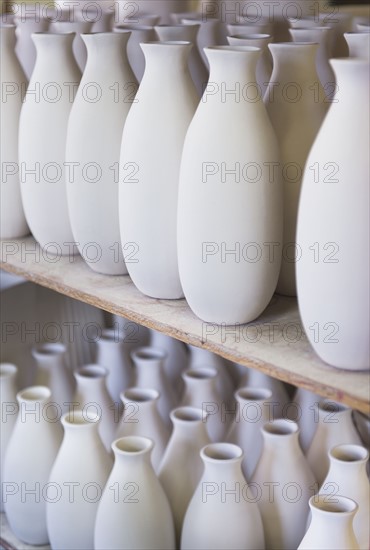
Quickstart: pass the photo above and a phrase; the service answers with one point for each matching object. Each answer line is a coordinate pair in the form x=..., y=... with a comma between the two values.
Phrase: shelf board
x=275, y=343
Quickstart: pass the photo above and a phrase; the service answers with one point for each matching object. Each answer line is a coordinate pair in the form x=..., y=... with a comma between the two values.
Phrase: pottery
x=358, y=44
x=254, y=378
x=25, y=49
x=211, y=33
x=8, y=414
x=79, y=27
x=139, y=34
x=176, y=361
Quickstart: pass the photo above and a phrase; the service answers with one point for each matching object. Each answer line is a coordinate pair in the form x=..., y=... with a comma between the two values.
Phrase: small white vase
x=220, y=514
x=92, y=396
x=358, y=44
x=284, y=483
x=149, y=373
x=8, y=414
x=13, y=84
x=42, y=142
x=139, y=34
x=141, y=417
x=52, y=371
x=347, y=476
x=150, y=161
x=334, y=427
x=31, y=452
x=181, y=467
x=133, y=493
x=254, y=378
x=332, y=524
x=76, y=483
x=176, y=361
x=25, y=47
x=79, y=28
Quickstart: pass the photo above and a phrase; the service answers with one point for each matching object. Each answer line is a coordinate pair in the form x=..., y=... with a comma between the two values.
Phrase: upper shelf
x=274, y=344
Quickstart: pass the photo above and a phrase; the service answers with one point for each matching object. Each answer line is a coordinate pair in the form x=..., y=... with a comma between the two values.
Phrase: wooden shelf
x=274, y=344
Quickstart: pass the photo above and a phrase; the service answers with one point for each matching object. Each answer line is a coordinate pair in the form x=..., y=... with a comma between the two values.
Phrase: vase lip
x=252, y=36
x=308, y=29
x=342, y=505
x=219, y=453
x=326, y=406
x=247, y=393
x=111, y=335
x=188, y=415
x=280, y=427
x=233, y=49
x=149, y=353
x=175, y=25
x=167, y=43
x=132, y=445
x=139, y=395
x=199, y=19
x=77, y=418
x=349, y=453
x=69, y=34
x=34, y=393
x=356, y=33
x=291, y=45
x=343, y=61
x=124, y=27
x=46, y=349
x=8, y=370
x=200, y=373
x=91, y=370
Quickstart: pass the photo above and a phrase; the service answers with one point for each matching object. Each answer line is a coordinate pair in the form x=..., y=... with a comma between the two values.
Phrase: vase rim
x=200, y=373
x=221, y=453
x=175, y=25
x=280, y=427
x=233, y=49
x=327, y=406
x=46, y=349
x=34, y=393
x=139, y=395
x=92, y=370
x=167, y=43
x=248, y=393
x=150, y=353
x=132, y=445
x=187, y=415
x=349, y=453
x=111, y=334
x=78, y=418
x=132, y=27
x=253, y=36
x=342, y=505
x=308, y=29
x=290, y=45
x=53, y=34
x=7, y=370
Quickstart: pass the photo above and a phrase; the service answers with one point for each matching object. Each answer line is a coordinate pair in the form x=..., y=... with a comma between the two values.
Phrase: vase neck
x=54, y=49
x=189, y=423
x=281, y=437
x=106, y=45
x=352, y=76
x=186, y=33
x=294, y=62
x=222, y=462
x=230, y=65
x=166, y=59
x=349, y=462
x=8, y=38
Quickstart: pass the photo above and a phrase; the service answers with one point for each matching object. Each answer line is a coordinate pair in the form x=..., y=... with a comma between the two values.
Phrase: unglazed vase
x=13, y=84
x=284, y=483
x=42, y=142
x=76, y=483
x=254, y=378
x=225, y=186
x=220, y=514
x=8, y=414
x=97, y=118
x=294, y=98
x=336, y=248
x=150, y=165
x=332, y=524
x=31, y=452
x=132, y=493
x=139, y=34
x=181, y=467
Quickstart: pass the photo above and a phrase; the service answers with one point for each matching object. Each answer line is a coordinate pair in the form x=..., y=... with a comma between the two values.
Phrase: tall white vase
x=42, y=142
x=176, y=361
x=139, y=34
x=97, y=118
x=133, y=493
x=347, y=476
x=334, y=427
x=295, y=97
x=8, y=414
x=52, y=371
x=141, y=417
x=25, y=47
x=358, y=44
x=219, y=193
x=31, y=452
x=79, y=27
x=284, y=484
x=220, y=514
x=13, y=84
x=181, y=467
x=150, y=164
x=77, y=481
x=336, y=247
x=332, y=524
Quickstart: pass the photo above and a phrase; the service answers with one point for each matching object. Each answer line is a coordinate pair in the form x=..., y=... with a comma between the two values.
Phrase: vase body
x=42, y=142
x=139, y=34
x=52, y=371
x=13, y=88
x=94, y=135
x=79, y=47
x=92, y=396
x=236, y=521
x=334, y=427
x=332, y=525
x=25, y=47
x=254, y=378
x=333, y=258
x=181, y=466
x=289, y=106
x=176, y=361
x=141, y=418
x=113, y=354
x=149, y=373
x=155, y=272
x=31, y=452
x=282, y=463
x=347, y=476
x=216, y=162
x=8, y=414
x=83, y=460
x=358, y=44
x=132, y=493
x=253, y=411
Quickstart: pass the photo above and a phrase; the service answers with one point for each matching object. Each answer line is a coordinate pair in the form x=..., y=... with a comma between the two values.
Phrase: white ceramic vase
x=25, y=47
x=79, y=27
x=358, y=44
x=254, y=378
x=141, y=417
x=139, y=34
x=42, y=142
x=31, y=452
x=8, y=414
x=53, y=372
x=284, y=483
x=176, y=361
x=181, y=467
x=332, y=524
x=133, y=493
x=76, y=483
x=97, y=118
x=13, y=84
x=336, y=180
x=150, y=164
x=220, y=514
x=294, y=98
x=219, y=193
